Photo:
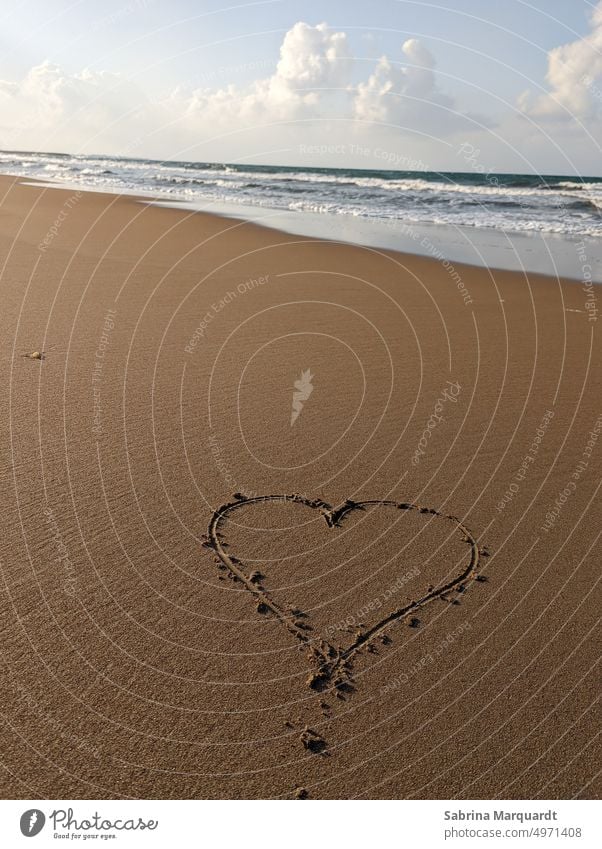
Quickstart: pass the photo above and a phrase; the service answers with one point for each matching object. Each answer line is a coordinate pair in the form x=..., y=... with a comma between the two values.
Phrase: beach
x=521, y=222
x=285, y=517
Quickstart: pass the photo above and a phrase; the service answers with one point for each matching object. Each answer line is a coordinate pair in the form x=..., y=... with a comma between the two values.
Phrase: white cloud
x=575, y=78
x=91, y=111
x=314, y=57
x=50, y=107
x=315, y=64
x=408, y=97
x=391, y=92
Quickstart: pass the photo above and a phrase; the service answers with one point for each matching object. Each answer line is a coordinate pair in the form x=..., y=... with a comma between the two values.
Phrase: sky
x=455, y=85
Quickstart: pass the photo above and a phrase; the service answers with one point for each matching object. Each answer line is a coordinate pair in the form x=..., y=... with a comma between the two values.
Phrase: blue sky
x=200, y=80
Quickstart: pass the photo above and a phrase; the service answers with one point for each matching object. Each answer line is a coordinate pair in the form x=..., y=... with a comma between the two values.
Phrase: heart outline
x=333, y=664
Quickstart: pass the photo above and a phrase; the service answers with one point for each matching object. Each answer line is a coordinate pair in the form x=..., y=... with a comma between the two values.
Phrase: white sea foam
x=510, y=203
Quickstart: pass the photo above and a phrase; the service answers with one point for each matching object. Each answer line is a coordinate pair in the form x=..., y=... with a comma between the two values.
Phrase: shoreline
x=518, y=252
x=548, y=254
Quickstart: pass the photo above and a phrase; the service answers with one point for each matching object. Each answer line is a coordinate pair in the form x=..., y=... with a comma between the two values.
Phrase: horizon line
x=223, y=163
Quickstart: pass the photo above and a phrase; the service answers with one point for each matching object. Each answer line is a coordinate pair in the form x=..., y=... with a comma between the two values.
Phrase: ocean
x=510, y=204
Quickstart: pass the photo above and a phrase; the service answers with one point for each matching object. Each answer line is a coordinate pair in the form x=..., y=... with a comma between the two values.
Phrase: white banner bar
x=353, y=825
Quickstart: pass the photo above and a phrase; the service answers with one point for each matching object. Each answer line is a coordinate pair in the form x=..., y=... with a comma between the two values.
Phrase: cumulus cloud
x=408, y=96
x=52, y=106
x=315, y=64
x=574, y=76
x=391, y=92
x=314, y=57
x=95, y=111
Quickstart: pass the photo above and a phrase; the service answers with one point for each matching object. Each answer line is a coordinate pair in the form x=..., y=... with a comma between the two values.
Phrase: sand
x=437, y=642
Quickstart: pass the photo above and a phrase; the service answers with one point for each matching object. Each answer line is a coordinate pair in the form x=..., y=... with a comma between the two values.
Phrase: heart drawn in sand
x=332, y=663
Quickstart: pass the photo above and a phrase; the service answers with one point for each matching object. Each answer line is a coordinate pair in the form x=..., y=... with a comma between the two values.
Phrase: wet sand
x=436, y=642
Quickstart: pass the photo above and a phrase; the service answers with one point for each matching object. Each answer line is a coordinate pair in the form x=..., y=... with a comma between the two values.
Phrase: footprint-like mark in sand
x=332, y=664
